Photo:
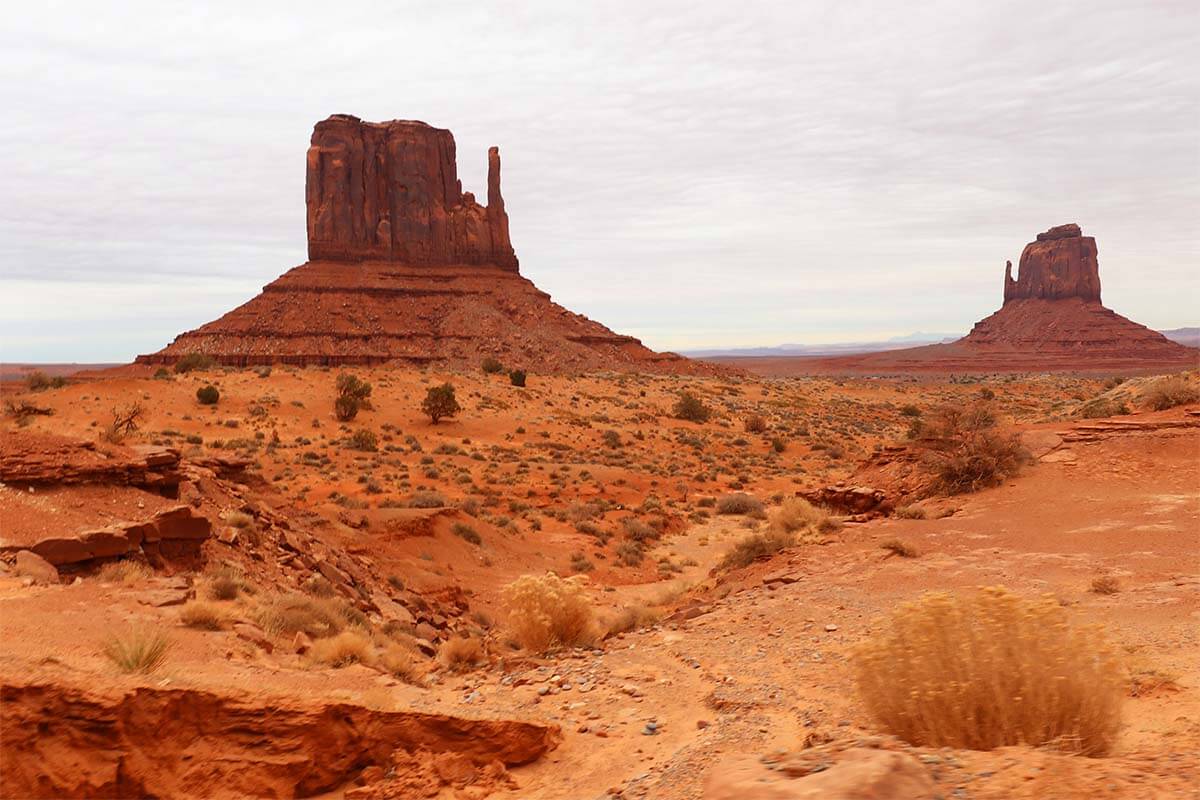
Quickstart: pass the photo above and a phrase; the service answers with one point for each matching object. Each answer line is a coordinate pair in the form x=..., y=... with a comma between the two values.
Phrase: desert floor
x=735, y=671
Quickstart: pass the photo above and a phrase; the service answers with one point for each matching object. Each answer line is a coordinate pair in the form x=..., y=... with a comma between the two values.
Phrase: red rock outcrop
x=1061, y=263
x=405, y=267
x=67, y=741
x=390, y=191
x=1051, y=319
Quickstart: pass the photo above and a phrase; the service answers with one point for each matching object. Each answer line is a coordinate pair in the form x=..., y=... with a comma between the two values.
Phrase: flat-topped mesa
x=390, y=191
x=1060, y=264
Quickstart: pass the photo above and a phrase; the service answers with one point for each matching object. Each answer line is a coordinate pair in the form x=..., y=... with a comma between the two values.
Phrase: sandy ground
x=763, y=667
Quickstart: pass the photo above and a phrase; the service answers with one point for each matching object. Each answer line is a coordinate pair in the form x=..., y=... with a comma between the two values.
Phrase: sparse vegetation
x=342, y=650
x=799, y=518
x=546, y=612
x=440, y=403
x=466, y=532
x=124, y=572
x=194, y=361
x=633, y=618
x=353, y=395
x=691, y=408
x=125, y=421
x=1105, y=584
x=38, y=381
x=140, y=649
x=895, y=547
x=755, y=423
x=966, y=452
x=1169, y=392
x=208, y=395
x=739, y=503
x=202, y=616
x=990, y=669
x=517, y=378
x=459, y=654
x=491, y=366
x=755, y=546
x=364, y=440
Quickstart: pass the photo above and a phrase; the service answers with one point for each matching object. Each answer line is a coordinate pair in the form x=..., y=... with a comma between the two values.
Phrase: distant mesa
x=1051, y=319
x=404, y=266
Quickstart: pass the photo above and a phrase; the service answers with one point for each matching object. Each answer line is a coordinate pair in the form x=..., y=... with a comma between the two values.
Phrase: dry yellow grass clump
x=990, y=669
x=545, y=612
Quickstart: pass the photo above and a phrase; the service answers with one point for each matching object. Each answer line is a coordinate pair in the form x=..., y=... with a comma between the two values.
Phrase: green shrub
x=352, y=396
x=517, y=377
x=492, y=366
x=691, y=408
x=208, y=395
x=466, y=532
x=364, y=440
x=440, y=402
x=194, y=361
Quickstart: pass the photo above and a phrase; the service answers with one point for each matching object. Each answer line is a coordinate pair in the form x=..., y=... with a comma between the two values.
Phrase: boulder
x=30, y=564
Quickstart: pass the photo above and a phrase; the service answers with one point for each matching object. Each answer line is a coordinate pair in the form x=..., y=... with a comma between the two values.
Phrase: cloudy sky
x=693, y=173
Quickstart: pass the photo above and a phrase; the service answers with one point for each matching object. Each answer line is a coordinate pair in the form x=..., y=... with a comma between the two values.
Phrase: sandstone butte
x=405, y=267
x=1052, y=318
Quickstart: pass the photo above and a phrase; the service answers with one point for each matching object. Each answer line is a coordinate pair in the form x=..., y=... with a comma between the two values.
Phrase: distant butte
x=406, y=267
x=1051, y=319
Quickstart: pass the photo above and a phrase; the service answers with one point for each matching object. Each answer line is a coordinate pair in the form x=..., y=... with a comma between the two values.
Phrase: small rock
x=831, y=628
x=34, y=566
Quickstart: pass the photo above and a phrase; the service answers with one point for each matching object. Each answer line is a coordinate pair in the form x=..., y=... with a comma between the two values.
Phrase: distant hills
x=1185, y=336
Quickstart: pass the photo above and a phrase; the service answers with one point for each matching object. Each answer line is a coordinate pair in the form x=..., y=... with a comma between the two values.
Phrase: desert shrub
x=546, y=612
x=639, y=531
x=910, y=411
x=426, y=500
x=800, y=518
x=517, y=377
x=227, y=582
x=580, y=563
x=1105, y=584
x=194, y=361
x=911, y=512
x=403, y=663
x=611, y=439
x=964, y=450
x=691, y=408
x=38, y=381
x=755, y=424
x=141, y=650
x=778, y=445
x=739, y=503
x=898, y=548
x=990, y=669
x=124, y=422
x=208, y=395
x=466, y=532
x=202, y=616
x=239, y=519
x=632, y=618
x=755, y=546
x=353, y=395
x=1102, y=407
x=342, y=650
x=1174, y=390
x=491, y=366
x=459, y=654
x=364, y=440
x=287, y=615
x=440, y=402
x=630, y=553
x=124, y=572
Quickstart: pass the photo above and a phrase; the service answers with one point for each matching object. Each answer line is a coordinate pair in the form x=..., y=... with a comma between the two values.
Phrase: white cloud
x=757, y=172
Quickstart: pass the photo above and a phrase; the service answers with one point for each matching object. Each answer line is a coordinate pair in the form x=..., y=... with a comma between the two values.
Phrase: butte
x=406, y=268
x=1051, y=319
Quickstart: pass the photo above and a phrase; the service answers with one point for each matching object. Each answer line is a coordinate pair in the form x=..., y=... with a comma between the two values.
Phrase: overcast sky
x=693, y=173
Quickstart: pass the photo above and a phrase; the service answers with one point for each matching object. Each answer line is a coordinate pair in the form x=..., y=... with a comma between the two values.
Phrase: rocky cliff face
x=1061, y=263
x=390, y=191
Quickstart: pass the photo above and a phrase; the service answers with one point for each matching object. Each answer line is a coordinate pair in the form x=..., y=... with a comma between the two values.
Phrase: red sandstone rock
x=1062, y=263
x=391, y=191
x=405, y=267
